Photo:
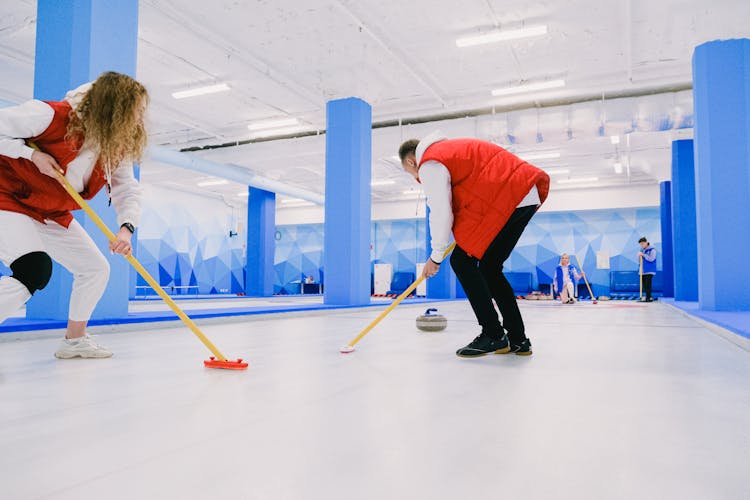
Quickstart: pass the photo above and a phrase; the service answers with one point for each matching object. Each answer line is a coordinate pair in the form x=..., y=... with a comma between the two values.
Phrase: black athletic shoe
x=522, y=349
x=483, y=345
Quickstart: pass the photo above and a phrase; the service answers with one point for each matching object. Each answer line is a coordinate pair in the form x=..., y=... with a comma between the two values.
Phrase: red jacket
x=487, y=184
x=25, y=190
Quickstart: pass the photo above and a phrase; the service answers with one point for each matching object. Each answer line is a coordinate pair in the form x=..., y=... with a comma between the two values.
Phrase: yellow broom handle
x=584, y=277
x=396, y=302
x=141, y=270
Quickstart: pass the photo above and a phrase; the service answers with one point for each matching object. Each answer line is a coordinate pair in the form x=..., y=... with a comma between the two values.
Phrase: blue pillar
x=667, y=254
x=684, y=239
x=76, y=41
x=133, y=280
x=443, y=284
x=347, y=220
x=721, y=89
x=261, y=228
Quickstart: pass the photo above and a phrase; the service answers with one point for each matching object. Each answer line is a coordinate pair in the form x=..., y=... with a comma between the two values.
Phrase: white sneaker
x=84, y=347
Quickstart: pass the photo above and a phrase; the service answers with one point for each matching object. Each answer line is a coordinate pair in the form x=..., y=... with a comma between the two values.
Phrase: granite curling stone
x=431, y=322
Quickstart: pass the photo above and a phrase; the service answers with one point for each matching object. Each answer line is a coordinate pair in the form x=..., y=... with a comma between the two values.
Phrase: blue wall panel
x=401, y=243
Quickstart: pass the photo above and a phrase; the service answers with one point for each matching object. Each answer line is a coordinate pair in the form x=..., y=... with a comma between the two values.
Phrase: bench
x=521, y=282
x=627, y=283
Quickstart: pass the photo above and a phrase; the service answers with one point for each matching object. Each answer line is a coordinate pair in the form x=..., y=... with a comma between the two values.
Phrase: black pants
x=483, y=280
x=647, y=279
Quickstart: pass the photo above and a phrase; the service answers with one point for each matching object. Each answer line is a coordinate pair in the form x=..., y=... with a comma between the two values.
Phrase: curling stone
x=431, y=322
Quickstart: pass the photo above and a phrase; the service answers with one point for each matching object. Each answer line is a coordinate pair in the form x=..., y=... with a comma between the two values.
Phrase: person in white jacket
x=92, y=138
x=566, y=277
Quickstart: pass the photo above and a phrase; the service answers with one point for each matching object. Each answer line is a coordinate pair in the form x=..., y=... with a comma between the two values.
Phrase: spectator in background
x=648, y=257
x=565, y=280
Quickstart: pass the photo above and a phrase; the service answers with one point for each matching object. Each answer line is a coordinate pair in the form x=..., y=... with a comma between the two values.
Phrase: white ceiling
x=287, y=58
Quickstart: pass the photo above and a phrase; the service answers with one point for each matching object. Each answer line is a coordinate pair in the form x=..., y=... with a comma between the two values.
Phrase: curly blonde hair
x=109, y=119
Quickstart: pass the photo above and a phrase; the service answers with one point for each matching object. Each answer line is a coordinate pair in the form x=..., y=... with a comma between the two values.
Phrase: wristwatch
x=130, y=227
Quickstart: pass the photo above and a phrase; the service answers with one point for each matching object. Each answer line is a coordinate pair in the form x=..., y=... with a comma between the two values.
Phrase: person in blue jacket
x=648, y=254
x=566, y=277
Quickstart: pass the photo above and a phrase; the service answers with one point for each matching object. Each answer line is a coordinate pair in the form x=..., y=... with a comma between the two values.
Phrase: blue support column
x=443, y=284
x=667, y=253
x=721, y=88
x=261, y=245
x=133, y=280
x=347, y=219
x=76, y=41
x=684, y=238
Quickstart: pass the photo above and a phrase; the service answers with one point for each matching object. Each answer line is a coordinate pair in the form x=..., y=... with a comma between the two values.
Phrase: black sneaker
x=522, y=349
x=483, y=345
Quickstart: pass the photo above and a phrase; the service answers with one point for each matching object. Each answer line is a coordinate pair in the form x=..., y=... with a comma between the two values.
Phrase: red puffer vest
x=487, y=184
x=25, y=190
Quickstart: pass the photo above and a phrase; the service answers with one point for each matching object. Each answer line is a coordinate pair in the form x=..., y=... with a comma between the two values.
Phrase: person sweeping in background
x=566, y=276
x=486, y=196
x=648, y=268
x=92, y=137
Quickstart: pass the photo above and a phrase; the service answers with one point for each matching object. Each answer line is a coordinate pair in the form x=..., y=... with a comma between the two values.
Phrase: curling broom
x=218, y=360
x=350, y=346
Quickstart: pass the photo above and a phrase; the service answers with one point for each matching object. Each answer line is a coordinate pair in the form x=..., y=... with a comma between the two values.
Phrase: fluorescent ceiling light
x=615, y=139
x=529, y=87
x=384, y=182
x=278, y=131
x=215, y=182
x=499, y=36
x=291, y=200
x=618, y=167
x=286, y=122
x=557, y=171
x=211, y=89
x=550, y=155
x=578, y=180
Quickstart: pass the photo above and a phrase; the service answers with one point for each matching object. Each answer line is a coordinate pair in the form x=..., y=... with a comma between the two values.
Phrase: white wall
x=560, y=200
x=563, y=200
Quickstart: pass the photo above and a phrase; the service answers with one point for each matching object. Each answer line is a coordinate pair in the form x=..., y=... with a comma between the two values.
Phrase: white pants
x=568, y=291
x=71, y=247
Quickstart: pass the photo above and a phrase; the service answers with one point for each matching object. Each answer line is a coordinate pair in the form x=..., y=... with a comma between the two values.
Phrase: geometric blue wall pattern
x=299, y=250
x=584, y=233
x=299, y=253
x=399, y=243
x=184, y=243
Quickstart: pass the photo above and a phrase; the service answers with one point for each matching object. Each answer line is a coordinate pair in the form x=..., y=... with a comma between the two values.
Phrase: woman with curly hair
x=92, y=138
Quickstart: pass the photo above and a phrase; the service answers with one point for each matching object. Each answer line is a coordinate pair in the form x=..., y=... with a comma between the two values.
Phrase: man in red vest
x=486, y=196
x=92, y=138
